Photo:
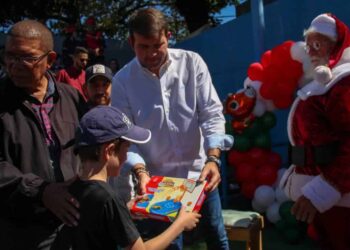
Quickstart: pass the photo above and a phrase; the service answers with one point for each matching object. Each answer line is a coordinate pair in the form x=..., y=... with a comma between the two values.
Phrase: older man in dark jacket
x=38, y=117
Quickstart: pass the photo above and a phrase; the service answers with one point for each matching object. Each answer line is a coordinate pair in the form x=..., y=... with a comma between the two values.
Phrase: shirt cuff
x=132, y=160
x=221, y=141
x=321, y=194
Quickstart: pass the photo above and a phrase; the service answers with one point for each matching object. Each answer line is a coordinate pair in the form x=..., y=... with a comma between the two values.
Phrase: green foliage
x=111, y=15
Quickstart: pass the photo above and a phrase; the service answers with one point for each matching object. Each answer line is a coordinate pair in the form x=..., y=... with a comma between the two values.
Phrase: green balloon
x=262, y=140
x=291, y=220
x=241, y=143
x=285, y=208
x=292, y=235
x=228, y=128
x=268, y=120
x=281, y=225
x=254, y=129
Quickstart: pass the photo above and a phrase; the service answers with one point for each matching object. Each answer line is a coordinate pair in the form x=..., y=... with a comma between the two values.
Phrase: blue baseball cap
x=105, y=123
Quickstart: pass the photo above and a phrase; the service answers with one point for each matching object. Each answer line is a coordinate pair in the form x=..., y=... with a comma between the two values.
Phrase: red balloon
x=235, y=157
x=248, y=189
x=312, y=233
x=283, y=101
x=245, y=172
x=274, y=159
x=257, y=155
x=295, y=70
x=255, y=71
x=265, y=90
x=266, y=175
x=272, y=75
x=266, y=58
x=281, y=53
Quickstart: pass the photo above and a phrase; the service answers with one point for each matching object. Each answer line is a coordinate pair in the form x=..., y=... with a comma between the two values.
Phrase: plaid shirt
x=42, y=110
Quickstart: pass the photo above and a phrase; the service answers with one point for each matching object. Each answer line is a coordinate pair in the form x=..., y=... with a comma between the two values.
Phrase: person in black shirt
x=102, y=141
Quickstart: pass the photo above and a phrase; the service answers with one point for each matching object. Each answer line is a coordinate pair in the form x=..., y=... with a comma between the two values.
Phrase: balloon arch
x=271, y=84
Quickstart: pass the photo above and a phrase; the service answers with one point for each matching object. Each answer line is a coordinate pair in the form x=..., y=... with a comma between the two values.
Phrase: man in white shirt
x=170, y=92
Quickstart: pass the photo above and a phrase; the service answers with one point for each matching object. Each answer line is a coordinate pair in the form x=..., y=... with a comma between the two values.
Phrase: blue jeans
x=211, y=226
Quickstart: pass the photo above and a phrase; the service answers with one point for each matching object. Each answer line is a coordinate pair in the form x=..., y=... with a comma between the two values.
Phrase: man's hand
x=211, y=173
x=304, y=210
x=143, y=179
x=61, y=203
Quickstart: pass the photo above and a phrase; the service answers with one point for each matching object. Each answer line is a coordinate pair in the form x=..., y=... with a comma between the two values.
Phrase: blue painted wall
x=229, y=49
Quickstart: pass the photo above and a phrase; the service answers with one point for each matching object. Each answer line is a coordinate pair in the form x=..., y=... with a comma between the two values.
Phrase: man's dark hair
x=79, y=50
x=93, y=153
x=148, y=22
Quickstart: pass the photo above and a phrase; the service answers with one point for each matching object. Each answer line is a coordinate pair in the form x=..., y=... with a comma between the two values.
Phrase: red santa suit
x=319, y=132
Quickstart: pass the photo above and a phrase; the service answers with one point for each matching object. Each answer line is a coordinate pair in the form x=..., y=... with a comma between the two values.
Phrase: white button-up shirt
x=180, y=107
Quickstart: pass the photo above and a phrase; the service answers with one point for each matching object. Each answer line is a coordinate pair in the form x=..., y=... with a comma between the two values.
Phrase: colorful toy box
x=165, y=196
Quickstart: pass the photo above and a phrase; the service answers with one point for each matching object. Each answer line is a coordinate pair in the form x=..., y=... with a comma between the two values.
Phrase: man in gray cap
x=97, y=85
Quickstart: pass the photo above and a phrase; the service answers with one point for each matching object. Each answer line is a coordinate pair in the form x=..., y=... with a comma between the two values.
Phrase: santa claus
x=319, y=132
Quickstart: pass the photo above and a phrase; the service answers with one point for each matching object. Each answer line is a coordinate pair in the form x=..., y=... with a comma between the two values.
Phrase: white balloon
x=280, y=195
x=272, y=212
x=280, y=173
x=254, y=84
x=264, y=196
x=257, y=207
x=297, y=51
x=259, y=108
x=269, y=105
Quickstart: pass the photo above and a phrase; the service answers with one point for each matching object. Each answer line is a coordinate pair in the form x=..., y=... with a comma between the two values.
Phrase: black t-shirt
x=104, y=223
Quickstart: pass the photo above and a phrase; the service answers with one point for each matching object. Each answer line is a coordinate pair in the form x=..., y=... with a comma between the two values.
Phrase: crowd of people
x=72, y=140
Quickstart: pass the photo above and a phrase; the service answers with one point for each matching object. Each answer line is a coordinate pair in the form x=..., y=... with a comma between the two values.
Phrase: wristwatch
x=213, y=158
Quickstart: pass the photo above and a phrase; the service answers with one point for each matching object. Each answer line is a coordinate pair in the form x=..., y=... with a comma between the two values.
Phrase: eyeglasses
x=27, y=60
x=316, y=45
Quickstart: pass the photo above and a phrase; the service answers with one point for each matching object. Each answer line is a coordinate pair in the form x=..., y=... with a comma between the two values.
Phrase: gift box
x=166, y=195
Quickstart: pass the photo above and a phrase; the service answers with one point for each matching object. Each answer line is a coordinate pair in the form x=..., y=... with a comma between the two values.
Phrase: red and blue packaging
x=166, y=195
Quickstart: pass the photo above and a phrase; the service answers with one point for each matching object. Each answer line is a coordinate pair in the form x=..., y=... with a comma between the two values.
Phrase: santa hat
x=341, y=50
x=323, y=24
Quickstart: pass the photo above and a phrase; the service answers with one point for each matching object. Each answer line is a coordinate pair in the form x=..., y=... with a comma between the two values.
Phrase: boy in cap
x=98, y=85
x=319, y=132
x=98, y=91
x=102, y=141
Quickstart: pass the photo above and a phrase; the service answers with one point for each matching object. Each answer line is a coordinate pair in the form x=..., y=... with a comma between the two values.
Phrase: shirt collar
x=50, y=86
x=51, y=89
x=162, y=69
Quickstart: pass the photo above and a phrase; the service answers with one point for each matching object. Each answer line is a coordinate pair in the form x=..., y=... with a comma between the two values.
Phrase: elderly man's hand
x=61, y=203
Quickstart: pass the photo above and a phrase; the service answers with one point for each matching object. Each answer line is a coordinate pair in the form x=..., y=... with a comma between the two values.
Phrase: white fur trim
x=322, y=195
x=323, y=24
x=290, y=119
x=315, y=88
x=292, y=184
x=345, y=57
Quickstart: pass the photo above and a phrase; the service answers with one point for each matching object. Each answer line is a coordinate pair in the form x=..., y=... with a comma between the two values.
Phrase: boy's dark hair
x=79, y=50
x=92, y=153
x=148, y=22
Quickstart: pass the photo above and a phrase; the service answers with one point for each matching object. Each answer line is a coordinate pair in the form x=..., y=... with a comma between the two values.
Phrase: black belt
x=320, y=155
